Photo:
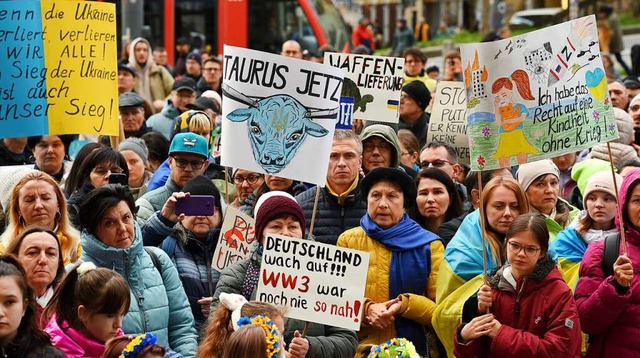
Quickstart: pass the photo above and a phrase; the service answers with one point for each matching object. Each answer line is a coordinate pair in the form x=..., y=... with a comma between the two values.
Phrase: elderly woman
x=94, y=173
x=278, y=213
x=38, y=250
x=38, y=200
x=112, y=239
x=541, y=182
x=403, y=270
x=437, y=201
x=190, y=241
x=135, y=152
x=461, y=272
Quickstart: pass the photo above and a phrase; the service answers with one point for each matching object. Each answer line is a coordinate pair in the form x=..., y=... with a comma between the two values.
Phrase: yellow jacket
x=415, y=307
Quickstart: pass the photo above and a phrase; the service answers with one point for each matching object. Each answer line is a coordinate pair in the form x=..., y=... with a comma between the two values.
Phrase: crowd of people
x=98, y=261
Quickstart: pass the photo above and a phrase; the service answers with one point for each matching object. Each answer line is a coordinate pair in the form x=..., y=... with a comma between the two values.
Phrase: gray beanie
x=529, y=172
x=137, y=146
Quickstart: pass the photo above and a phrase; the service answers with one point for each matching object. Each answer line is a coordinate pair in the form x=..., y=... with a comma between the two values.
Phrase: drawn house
x=540, y=55
x=475, y=78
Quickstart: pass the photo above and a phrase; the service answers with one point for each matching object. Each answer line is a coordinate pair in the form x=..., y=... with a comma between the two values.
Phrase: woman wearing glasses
x=533, y=311
x=246, y=182
x=94, y=173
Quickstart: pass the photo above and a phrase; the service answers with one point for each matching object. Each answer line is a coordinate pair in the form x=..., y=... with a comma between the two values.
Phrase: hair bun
x=85, y=267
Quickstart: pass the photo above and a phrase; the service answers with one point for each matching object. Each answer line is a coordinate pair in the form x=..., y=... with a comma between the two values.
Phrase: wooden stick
x=116, y=140
x=315, y=208
x=483, y=232
x=615, y=187
x=226, y=184
x=304, y=331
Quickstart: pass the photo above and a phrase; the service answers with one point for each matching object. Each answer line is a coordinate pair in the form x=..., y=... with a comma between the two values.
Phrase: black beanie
x=201, y=185
x=419, y=92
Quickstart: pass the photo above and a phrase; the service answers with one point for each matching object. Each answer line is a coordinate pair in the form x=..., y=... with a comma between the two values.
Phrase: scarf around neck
x=410, y=266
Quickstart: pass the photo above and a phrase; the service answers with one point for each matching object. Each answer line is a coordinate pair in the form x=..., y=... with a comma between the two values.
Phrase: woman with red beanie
x=277, y=212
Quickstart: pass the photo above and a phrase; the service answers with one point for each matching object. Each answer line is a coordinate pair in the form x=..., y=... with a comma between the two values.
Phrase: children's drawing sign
x=58, y=71
x=316, y=282
x=537, y=95
x=279, y=114
x=237, y=239
x=372, y=83
x=447, y=122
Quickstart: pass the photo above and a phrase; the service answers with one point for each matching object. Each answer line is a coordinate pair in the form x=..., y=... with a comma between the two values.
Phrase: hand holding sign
x=299, y=346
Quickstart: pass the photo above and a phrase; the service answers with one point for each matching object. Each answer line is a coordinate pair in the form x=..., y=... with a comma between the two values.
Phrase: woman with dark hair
x=38, y=251
x=37, y=200
x=112, y=239
x=437, y=201
x=94, y=173
x=533, y=311
x=73, y=178
x=20, y=335
x=50, y=152
x=158, y=147
x=401, y=279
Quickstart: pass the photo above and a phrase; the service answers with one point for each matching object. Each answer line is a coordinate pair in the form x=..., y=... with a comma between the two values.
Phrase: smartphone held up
x=196, y=205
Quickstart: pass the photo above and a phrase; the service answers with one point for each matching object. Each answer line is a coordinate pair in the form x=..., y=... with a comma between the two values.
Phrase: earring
x=21, y=221
x=58, y=216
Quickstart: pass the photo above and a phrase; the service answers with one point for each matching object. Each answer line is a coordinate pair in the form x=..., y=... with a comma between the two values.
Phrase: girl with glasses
x=533, y=313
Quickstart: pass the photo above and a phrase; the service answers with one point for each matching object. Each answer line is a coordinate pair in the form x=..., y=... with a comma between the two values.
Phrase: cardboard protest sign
x=81, y=58
x=371, y=88
x=537, y=95
x=447, y=122
x=23, y=111
x=58, y=68
x=237, y=238
x=316, y=282
x=279, y=114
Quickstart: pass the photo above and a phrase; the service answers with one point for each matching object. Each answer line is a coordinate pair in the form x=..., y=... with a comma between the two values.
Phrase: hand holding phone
x=196, y=205
x=118, y=178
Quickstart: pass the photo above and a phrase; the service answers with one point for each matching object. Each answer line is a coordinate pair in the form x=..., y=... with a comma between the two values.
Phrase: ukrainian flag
x=393, y=104
x=570, y=248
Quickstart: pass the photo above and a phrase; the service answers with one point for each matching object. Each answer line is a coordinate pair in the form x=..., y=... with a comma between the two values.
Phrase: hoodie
x=153, y=82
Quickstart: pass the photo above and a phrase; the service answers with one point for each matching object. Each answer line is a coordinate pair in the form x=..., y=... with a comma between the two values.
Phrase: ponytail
x=520, y=78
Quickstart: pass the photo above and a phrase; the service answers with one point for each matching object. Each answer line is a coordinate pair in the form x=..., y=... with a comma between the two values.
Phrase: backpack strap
x=154, y=259
x=169, y=246
x=610, y=253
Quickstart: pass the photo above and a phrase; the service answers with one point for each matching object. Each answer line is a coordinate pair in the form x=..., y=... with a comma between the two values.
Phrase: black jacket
x=331, y=218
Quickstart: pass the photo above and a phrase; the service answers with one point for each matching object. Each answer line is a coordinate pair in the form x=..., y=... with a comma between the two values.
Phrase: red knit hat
x=275, y=206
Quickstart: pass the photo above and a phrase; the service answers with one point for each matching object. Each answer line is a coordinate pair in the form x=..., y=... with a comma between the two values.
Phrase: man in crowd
x=160, y=56
x=153, y=82
x=194, y=66
x=632, y=84
x=183, y=92
x=211, y=76
x=362, y=35
x=381, y=148
x=291, y=48
x=452, y=67
x=402, y=38
x=131, y=107
x=340, y=204
x=441, y=155
x=414, y=100
x=618, y=94
x=14, y=151
x=188, y=156
x=182, y=50
x=126, y=78
x=414, y=62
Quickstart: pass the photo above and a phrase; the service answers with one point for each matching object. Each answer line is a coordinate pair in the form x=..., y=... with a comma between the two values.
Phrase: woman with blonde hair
x=461, y=272
x=38, y=200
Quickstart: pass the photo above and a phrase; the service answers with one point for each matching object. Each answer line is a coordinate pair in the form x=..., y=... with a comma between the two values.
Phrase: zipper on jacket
x=524, y=281
x=341, y=220
x=209, y=278
x=140, y=297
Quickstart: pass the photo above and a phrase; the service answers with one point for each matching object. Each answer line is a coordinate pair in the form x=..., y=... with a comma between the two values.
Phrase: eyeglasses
x=369, y=147
x=207, y=69
x=438, y=163
x=103, y=170
x=195, y=164
x=515, y=248
x=251, y=179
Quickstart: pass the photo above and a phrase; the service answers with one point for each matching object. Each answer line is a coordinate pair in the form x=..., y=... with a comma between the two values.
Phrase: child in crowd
x=140, y=346
x=87, y=310
x=256, y=337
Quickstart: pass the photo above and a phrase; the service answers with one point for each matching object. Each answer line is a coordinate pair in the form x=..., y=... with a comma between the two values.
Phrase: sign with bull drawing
x=279, y=114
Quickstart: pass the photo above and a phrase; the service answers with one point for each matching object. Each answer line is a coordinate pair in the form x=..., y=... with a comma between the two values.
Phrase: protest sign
x=81, y=58
x=316, y=282
x=447, y=122
x=23, y=110
x=537, y=95
x=279, y=114
x=373, y=84
x=237, y=238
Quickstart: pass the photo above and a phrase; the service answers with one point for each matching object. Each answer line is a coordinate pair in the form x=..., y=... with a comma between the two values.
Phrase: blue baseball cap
x=189, y=143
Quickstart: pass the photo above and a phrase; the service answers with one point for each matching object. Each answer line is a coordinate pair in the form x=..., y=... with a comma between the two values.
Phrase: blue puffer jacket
x=158, y=302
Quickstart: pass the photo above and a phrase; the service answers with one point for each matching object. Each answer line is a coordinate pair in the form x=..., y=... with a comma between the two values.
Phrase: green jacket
x=324, y=341
x=154, y=200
